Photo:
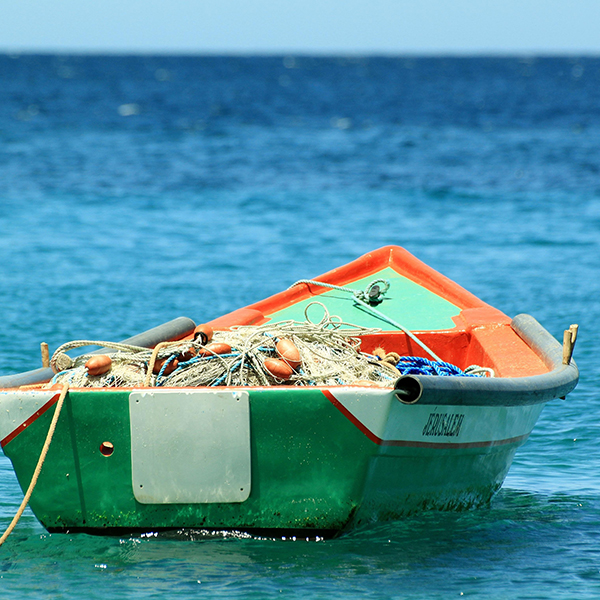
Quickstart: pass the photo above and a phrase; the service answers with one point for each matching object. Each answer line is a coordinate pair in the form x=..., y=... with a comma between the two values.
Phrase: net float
x=288, y=351
x=215, y=348
x=204, y=332
x=98, y=365
x=158, y=365
x=278, y=368
x=188, y=354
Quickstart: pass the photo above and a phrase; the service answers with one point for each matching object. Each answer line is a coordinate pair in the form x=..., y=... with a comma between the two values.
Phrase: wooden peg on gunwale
x=569, y=338
x=45, y=355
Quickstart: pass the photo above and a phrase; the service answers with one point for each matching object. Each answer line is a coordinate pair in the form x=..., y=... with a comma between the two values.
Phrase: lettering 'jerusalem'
x=440, y=424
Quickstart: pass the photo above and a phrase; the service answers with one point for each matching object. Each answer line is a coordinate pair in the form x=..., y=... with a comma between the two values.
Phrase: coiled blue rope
x=416, y=365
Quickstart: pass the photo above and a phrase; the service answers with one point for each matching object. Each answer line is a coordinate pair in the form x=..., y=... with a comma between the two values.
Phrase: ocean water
x=137, y=189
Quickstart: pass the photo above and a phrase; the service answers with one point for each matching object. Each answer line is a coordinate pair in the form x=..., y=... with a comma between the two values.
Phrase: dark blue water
x=137, y=189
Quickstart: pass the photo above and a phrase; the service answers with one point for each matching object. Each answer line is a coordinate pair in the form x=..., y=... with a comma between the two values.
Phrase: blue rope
x=163, y=369
x=220, y=380
x=416, y=365
x=55, y=378
x=193, y=361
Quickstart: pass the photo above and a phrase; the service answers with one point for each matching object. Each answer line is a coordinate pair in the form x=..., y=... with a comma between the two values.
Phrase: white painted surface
x=190, y=446
x=17, y=407
x=385, y=417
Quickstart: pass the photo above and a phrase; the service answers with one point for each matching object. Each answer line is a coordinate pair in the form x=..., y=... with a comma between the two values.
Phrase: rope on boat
x=327, y=353
x=40, y=463
x=61, y=361
x=373, y=293
x=153, y=358
x=416, y=365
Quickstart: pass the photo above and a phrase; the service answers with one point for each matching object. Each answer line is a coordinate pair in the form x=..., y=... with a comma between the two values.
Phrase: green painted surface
x=309, y=465
x=407, y=303
x=454, y=480
x=311, y=468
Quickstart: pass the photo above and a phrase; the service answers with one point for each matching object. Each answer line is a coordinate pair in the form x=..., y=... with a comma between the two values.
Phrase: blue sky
x=302, y=26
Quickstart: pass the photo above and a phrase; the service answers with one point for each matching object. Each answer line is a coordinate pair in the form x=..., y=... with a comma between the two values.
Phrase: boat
x=284, y=452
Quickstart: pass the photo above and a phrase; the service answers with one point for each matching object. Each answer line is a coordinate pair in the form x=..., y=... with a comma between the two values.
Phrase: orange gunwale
x=483, y=334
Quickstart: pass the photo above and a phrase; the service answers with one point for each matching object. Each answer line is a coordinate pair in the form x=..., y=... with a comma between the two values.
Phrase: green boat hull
x=314, y=464
x=286, y=457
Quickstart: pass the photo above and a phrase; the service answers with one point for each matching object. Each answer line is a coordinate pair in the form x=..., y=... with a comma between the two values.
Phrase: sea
x=136, y=189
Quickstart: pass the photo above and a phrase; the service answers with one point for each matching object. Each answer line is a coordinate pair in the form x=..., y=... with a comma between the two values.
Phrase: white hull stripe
x=23, y=409
x=388, y=422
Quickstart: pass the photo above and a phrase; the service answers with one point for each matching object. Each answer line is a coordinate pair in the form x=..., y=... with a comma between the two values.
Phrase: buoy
x=278, y=368
x=289, y=352
x=188, y=354
x=158, y=365
x=204, y=332
x=215, y=348
x=98, y=365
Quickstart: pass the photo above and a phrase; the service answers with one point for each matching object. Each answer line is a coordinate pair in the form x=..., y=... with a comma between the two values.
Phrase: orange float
x=204, y=332
x=215, y=348
x=289, y=352
x=188, y=354
x=158, y=365
x=278, y=368
x=98, y=365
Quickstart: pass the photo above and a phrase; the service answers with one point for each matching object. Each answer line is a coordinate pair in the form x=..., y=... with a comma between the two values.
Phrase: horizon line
x=536, y=54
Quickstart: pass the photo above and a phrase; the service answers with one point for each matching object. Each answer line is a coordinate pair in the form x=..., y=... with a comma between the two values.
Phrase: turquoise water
x=135, y=190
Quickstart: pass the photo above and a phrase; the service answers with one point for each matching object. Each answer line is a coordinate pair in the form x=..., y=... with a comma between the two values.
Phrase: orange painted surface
x=394, y=257
x=241, y=316
x=482, y=334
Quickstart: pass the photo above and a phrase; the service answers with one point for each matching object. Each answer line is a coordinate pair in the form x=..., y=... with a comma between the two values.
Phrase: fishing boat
x=447, y=388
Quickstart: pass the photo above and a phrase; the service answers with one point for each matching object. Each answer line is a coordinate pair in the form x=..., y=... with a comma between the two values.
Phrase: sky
x=363, y=27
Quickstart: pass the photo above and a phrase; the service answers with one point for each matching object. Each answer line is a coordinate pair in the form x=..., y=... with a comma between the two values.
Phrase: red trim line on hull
x=38, y=413
x=411, y=444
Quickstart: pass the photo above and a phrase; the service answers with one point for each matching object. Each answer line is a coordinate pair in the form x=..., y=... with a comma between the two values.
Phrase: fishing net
x=324, y=354
x=329, y=354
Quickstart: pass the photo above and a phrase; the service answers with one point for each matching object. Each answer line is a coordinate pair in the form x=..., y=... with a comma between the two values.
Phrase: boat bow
x=499, y=391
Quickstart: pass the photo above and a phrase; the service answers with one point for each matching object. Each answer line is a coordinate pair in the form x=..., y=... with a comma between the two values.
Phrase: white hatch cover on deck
x=190, y=446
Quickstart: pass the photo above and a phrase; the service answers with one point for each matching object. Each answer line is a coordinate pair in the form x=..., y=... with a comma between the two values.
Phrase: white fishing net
x=243, y=356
